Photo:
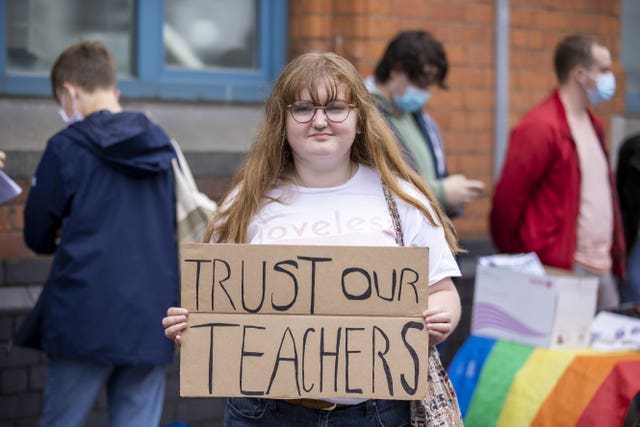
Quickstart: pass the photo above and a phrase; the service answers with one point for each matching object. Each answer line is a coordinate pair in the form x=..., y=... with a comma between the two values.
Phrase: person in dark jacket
x=102, y=201
x=628, y=182
x=413, y=63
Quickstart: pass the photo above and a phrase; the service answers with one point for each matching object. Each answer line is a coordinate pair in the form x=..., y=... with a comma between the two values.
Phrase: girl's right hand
x=174, y=323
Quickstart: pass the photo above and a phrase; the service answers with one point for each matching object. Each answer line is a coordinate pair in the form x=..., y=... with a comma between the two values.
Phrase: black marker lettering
x=346, y=358
x=264, y=279
x=293, y=359
x=366, y=294
x=313, y=277
x=304, y=350
x=212, y=326
x=324, y=354
x=393, y=285
x=416, y=276
x=213, y=281
x=198, y=262
x=278, y=268
x=414, y=356
x=244, y=354
x=380, y=354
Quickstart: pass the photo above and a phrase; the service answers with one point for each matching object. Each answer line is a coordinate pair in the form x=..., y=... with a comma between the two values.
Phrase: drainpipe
x=501, y=113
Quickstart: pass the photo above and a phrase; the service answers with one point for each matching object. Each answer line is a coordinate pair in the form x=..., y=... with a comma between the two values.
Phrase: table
x=501, y=383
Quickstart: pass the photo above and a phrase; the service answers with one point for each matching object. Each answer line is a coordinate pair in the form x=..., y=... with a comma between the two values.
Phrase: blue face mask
x=412, y=100
x=604, y=90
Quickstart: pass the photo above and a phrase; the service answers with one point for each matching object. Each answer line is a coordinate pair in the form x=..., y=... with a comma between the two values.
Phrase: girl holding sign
x=317, y=174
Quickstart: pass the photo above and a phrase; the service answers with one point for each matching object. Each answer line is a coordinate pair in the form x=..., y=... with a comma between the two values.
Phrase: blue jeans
x=135, y=393
x=246, y=412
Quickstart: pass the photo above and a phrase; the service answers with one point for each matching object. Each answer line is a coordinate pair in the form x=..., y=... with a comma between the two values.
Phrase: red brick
x=475, y=99
x=521, y=17
x=379, y=26
x=608, y=24
x=16, y=214
x=311, y=6
x=409, y=8
x=447, y=100
x=379, y=7
x=375, y=49
x=545, y=19
x=12, y=246
x=480, y=55
x=479, y=13
x=446, y=10
x=316, y=26
x=5, y=220
x=456, y=54
x=350, y=7
x=473, y=34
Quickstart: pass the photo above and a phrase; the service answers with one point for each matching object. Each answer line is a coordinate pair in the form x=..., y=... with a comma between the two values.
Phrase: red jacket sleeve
x=530, y=154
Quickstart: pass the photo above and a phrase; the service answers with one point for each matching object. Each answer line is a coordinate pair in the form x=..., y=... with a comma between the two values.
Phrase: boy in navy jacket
x=102, y=201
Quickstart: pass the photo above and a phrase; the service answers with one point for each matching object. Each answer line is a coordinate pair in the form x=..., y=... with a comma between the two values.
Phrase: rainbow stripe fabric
x=505, y=384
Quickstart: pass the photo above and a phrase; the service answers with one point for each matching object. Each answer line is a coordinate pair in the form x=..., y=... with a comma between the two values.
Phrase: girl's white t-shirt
x=352, y=214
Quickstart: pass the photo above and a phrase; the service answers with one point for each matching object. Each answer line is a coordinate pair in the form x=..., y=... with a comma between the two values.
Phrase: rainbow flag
x=505, y=384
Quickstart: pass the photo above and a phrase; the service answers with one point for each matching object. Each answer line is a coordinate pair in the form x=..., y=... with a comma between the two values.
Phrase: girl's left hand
x=438, y=322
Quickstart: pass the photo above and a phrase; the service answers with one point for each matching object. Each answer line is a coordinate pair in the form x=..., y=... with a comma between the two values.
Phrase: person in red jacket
x=556, y=196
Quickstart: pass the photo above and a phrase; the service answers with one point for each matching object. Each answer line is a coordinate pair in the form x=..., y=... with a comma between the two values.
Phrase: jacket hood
x=128, y=141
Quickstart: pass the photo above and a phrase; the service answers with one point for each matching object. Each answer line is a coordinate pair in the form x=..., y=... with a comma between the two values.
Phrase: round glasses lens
x=337, y=111
x=302, y=111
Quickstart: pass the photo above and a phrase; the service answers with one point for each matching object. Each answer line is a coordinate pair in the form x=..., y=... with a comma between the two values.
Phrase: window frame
x=154, y=80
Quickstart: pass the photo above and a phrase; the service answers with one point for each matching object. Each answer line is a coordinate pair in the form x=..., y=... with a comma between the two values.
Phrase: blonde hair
x=270, y=159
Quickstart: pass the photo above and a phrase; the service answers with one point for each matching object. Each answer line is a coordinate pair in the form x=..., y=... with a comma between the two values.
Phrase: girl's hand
x=438, y=322
x=174, y=323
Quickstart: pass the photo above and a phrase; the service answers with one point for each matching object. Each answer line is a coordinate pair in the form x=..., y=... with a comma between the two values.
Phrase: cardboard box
x=551, y=311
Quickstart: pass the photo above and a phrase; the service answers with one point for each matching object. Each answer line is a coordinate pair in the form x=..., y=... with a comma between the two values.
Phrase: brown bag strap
x=393, y=211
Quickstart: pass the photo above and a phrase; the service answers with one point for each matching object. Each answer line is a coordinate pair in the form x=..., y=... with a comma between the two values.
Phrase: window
x=172, y=49
x=197, y=36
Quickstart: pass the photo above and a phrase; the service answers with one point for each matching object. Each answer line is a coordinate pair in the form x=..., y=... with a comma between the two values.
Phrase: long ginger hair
x=270, y=160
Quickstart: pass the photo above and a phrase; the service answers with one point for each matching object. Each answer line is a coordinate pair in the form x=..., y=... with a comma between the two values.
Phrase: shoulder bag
x=193, y=208
x=440, y=407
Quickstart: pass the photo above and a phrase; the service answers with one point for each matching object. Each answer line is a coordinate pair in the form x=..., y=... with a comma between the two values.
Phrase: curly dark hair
x=410, y=51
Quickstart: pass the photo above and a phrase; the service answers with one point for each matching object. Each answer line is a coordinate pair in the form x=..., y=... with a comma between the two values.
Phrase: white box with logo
x=553, y=310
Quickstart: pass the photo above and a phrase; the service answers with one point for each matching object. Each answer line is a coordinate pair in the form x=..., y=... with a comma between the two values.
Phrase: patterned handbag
x=440, y=407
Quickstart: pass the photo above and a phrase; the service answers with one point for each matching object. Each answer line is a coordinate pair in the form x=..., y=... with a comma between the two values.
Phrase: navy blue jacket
x=103, y=201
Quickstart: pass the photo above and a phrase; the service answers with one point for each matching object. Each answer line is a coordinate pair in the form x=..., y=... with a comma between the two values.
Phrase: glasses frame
x=320, y=107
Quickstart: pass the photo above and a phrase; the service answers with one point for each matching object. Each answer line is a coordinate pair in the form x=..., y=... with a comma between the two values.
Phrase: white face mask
x=75, y=115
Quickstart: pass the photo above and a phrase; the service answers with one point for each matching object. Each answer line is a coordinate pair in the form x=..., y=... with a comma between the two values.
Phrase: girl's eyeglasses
x=305, y=111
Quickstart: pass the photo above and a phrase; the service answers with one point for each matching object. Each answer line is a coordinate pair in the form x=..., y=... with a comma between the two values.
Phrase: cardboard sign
x=304, y=321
